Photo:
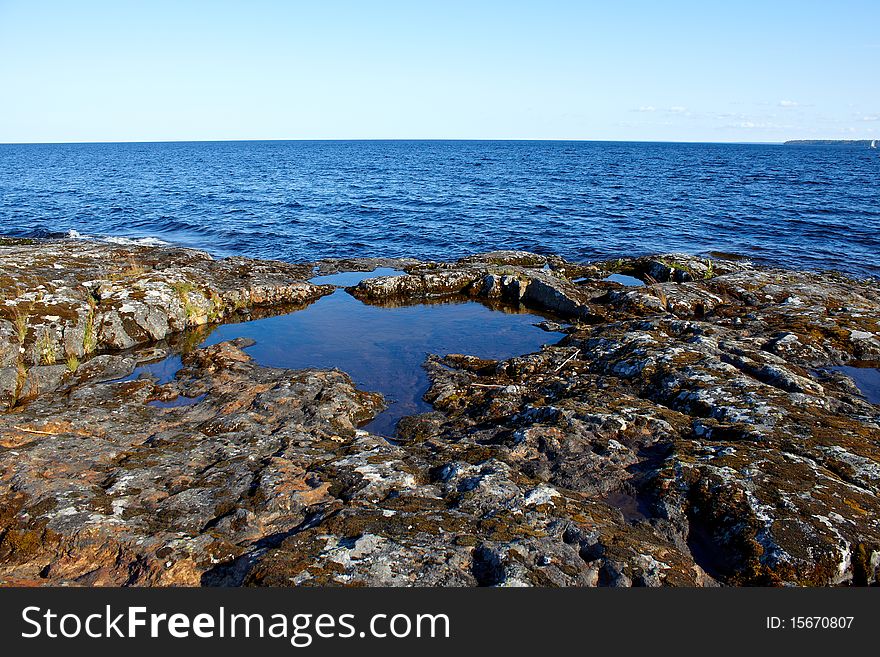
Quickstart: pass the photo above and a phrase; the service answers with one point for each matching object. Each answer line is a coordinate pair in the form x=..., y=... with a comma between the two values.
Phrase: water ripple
x=814, y=207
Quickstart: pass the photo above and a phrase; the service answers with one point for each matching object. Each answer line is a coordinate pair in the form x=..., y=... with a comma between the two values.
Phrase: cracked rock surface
x=693, y=431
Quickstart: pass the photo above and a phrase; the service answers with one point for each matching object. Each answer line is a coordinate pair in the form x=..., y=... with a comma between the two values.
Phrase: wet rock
x=419, y=427
x=551, y=326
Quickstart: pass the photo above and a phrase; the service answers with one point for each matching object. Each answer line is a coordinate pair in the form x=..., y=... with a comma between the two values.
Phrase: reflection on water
x=383, y=347
x=349, y=278
x=161, y=370
x=866, y=378
x=623, y=279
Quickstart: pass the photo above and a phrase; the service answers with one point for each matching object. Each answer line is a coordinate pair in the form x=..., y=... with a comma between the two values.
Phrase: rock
x=418, y=427
x=486, y=277
x=334, y=266
x=556, y=296
x=552, y=327
x=10, y=385
x=417, y=285
x=688, y=433
x=734, y=406
x=69, y=298
x=42, y=379
x=179, y=485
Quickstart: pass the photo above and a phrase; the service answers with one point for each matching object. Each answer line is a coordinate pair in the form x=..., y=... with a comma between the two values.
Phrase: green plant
x=183, y=289
x=680, y=266
x=217, y=307
x=90, y=341
x=72, y=363
x=21, y=321
x=45, y=348
x=710, y=269
x=132, y=270
x=21, y=375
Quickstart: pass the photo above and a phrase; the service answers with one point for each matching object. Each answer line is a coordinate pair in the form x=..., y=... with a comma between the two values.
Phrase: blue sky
x=669, y=71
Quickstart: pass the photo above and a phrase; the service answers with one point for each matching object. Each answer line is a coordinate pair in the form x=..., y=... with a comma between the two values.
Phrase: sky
x=745, y=71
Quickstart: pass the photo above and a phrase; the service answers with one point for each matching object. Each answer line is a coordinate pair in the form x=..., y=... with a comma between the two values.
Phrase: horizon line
x=402, y=139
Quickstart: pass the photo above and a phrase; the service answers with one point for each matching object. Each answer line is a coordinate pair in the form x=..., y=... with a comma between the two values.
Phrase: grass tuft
x=217, y=308
x=132, y=270
x=21, y=322
x=183, y=289
x=90, y=340
x=710, y=269
x=45, y=348
x=21, y=375
x=657, y=291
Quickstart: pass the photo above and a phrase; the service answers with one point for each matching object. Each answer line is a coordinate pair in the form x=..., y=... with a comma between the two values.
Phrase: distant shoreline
x=828, y=142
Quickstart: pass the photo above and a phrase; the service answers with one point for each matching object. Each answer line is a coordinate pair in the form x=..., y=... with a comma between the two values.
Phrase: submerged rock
x=688, y=432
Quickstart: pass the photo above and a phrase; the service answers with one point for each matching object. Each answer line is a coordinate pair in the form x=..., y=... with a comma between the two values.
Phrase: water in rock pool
x=867, y=379
x=623, y=279
x=163, y=371
x=382, y=348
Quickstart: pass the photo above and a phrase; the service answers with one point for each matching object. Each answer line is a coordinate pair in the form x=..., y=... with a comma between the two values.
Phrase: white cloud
x=646, y=108
x=788, y=103
x=759, y=125
x=871, y=118
x=678, y=109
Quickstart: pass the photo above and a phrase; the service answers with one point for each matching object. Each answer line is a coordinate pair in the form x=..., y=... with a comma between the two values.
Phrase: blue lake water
x=796, y=206
x=867, y=379
x=382, y=348
x=623, y=279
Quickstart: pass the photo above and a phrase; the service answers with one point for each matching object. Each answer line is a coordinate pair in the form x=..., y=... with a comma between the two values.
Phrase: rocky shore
x=691, y=431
